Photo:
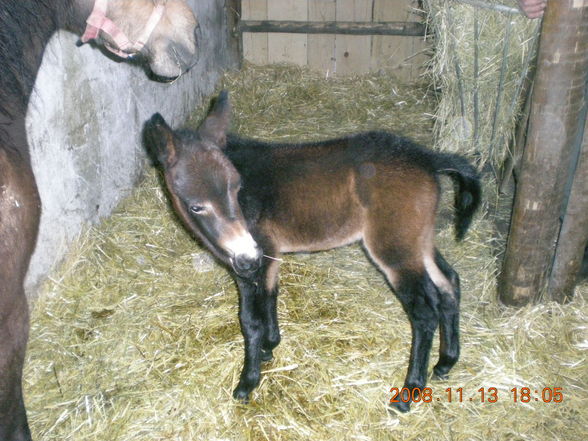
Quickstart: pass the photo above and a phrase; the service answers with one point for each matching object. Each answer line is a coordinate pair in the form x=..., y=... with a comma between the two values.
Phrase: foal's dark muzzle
x=245, y=266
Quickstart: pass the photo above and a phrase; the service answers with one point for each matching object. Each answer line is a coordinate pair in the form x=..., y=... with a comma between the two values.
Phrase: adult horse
x=158, y=31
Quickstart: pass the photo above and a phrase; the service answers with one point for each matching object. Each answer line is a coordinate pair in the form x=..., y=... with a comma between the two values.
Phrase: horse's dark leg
x=251, y=318
x=419, y=298
x=271, y=333
x=418, y=295
x=19, y=220
x=448, y=320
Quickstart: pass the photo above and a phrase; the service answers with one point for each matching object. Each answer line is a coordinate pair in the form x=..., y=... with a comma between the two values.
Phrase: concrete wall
x=84, y=127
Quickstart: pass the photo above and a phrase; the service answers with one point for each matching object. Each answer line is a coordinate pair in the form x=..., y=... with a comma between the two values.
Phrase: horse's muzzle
x=245, y=266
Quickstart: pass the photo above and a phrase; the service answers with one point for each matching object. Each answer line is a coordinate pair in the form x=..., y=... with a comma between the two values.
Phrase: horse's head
x=161, y=31
x=204, y=184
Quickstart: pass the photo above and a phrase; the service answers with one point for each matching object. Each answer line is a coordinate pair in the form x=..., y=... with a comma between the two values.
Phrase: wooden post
x=558, y=99
x=574, y=232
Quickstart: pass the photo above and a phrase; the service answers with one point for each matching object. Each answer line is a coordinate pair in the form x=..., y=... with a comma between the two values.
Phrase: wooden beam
x=409, y=29
x=540, y=201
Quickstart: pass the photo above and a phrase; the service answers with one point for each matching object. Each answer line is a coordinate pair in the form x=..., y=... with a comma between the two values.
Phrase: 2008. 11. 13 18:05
x=482, y=395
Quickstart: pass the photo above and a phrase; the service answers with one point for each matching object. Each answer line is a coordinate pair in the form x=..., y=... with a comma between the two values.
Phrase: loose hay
x=131, y=342
x=480, y=62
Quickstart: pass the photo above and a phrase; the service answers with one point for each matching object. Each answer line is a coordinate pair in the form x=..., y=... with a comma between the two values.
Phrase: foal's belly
x=317, y=235
x=327, y=244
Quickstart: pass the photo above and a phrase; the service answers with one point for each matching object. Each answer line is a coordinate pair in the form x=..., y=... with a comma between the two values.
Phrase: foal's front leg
x=269, y=302
x=252, y=328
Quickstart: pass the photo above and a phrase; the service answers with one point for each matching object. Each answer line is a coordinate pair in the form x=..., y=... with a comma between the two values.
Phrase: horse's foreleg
x=271, y=333
x=251, y=319
x=19, y=220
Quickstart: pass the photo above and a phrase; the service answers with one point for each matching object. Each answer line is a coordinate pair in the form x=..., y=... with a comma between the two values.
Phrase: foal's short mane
x=379, y=145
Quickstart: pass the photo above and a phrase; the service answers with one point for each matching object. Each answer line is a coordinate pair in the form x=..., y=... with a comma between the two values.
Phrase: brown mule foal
x=248, y=200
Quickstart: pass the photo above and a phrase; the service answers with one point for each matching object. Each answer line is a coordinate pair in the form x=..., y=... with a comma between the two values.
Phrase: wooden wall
x=336, y=54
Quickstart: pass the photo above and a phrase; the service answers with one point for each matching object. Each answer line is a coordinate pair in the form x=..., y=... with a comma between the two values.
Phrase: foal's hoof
x=266, y=355
x=400, y=406
x=241, y=395
x=440, y=374
x=246, y=385
x=440, y=377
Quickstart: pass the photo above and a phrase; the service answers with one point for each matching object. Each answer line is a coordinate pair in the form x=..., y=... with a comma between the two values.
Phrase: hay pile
x=480, y=62
x=137, y=338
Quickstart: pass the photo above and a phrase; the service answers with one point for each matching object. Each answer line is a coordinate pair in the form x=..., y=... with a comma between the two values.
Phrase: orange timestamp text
x=482, y=395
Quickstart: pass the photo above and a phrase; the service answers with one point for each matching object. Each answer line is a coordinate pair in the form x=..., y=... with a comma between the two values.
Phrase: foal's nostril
x=246, y=264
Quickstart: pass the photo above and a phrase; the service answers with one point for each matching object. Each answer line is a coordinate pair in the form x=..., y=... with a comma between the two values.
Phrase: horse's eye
x=197, y=209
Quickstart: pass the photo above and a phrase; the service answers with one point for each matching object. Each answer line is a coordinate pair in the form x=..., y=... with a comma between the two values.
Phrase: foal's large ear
x=215, y=125
x=159, y=140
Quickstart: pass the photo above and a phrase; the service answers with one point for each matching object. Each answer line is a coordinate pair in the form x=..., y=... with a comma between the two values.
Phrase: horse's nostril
x=245, y=263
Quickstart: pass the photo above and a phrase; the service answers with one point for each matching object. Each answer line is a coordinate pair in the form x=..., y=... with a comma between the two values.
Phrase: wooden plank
x=397, y=53
x=255, y=46
x=353, y=52
x=284, y=47
x=344, y=54
x=334, y=27
x=321, y=48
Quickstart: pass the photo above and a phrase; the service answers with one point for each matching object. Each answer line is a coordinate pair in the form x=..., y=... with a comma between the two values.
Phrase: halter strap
x=97, y=21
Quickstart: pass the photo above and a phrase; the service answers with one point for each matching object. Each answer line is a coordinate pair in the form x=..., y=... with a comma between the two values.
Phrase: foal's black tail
x=468, y=190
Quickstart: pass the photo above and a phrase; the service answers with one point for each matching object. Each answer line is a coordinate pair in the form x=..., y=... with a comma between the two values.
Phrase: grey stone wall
x=84, y=127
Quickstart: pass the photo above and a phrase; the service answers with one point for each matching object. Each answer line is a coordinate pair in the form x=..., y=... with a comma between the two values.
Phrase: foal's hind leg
x=398, y=235
x=449, y=297
x=19, y=218
x=419, y=299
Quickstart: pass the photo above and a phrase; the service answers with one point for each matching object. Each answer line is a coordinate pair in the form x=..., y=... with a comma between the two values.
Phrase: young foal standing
x=162, y=32
x=250, y=201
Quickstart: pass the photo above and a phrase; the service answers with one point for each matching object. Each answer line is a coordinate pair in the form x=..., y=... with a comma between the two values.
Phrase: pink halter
x=97, y=21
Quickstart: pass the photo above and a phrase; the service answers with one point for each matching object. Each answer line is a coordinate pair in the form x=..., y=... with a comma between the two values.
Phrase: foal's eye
x=197, y=209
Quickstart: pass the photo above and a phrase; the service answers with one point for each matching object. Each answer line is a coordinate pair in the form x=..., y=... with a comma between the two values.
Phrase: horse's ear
x=159, y=140
x=215, y=125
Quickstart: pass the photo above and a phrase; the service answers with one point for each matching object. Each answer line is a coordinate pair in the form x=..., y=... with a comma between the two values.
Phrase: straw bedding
x=136, y=337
